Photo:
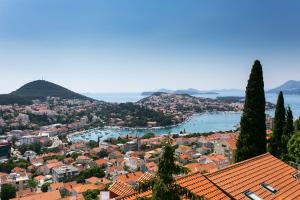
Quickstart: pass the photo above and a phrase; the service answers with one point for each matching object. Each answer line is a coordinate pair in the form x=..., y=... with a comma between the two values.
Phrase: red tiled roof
x=121, y=188
x=250, y=174
x=54, y=195
x=232, y=182
x=196, y=183
x=130, y=177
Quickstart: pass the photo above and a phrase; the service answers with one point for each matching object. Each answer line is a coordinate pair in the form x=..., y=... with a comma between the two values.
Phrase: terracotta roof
x=146, y=177
x=100, y=162
x=199, y=167
x=196, y=183
x=54, y=195
x=40, y=177
x=120, y=188
x=250, y=174
x=81, y=188
x=56, y=186
x=130, y=177
x=77, y=197
x=96, y=180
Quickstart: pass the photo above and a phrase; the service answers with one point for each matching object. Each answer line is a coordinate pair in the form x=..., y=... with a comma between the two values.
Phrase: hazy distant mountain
x=289, y=87
x=189, y=91
x=39, y=89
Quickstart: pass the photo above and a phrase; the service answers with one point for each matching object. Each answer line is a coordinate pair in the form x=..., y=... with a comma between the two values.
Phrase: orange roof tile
x=130, y=177
x=251, y=173
x=54, y=195
x=196, y=183
x=81, y=188
x=120, y=188
x=146, y=177
x=96, y=180
x=199, y=167
x=100, y=162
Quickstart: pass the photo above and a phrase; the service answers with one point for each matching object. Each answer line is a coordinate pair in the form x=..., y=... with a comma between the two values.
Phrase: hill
x=289, y=87
x=39, y=89
x=42, y=89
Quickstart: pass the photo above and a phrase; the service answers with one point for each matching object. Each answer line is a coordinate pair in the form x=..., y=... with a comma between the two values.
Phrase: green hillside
x=41, y=89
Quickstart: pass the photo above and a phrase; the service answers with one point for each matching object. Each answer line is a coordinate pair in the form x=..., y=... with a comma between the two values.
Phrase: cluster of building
x=127, y=165
x=71, y=113
x=181, y=107
x=124, y=165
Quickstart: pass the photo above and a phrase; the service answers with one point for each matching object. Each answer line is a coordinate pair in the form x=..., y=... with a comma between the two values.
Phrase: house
x=130, y=178
x=98, y=181
x=19, y=180
x=220, y=160
x=260, y=177
x=196, y=183
x=202, y=168
x=64, y=172
x=151, y=167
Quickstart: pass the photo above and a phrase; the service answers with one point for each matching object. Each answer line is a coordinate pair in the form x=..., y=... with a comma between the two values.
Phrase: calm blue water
x=205, y=122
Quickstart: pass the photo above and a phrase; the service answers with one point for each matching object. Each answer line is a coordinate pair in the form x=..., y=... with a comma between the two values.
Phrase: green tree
x=288, y=131
x=148, y=135
x=44, y=187
x=92, y=144
x=95, y=171
x=276, y=146
x=8, y=191
x=165, y=187
x=294, y=147
x=252, y=138
x=32, y=184
x=297, y=124
x=102, y=153
x=91, y=194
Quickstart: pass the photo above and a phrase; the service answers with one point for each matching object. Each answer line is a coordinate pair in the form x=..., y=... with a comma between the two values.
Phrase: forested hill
x=41, y=89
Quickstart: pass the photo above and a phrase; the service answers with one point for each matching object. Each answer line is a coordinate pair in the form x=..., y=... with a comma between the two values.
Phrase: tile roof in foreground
x=250, y=174
x=196, y=183
x=120, y=188
x=264, y=177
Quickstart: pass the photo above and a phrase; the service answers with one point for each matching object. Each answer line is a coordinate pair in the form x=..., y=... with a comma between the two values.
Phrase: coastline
x=118, y=128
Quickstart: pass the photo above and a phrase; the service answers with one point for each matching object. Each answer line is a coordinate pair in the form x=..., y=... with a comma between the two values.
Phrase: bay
x=201, y=123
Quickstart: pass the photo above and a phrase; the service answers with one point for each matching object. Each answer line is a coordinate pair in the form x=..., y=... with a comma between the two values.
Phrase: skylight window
x=252, y=195
x=269, y=187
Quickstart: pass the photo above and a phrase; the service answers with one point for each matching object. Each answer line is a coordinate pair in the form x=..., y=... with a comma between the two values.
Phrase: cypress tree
x=279, y=123
x=252, y=138
x=287, y=133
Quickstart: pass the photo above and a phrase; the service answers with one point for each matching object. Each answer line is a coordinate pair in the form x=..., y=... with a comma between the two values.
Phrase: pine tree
x=252, y=138
x=279, y=123
x=287, y=133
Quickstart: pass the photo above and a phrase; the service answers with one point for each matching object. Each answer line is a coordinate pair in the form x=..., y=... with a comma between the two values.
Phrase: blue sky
x=136, y=45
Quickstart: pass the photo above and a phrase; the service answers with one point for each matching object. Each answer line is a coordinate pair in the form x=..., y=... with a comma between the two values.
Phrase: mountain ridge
x=289, y=87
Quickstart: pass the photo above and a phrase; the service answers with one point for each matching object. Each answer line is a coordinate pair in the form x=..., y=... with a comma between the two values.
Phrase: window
x=252, y=195
x=269, y=187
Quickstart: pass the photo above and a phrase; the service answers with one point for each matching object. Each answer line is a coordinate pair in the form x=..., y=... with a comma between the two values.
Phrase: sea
x=200, y=123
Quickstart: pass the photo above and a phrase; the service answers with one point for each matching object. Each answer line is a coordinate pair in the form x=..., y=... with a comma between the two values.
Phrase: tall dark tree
x=252, y=138
x=165, y=187
x=276, y=146
x=288, y=131
x=8, y=191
